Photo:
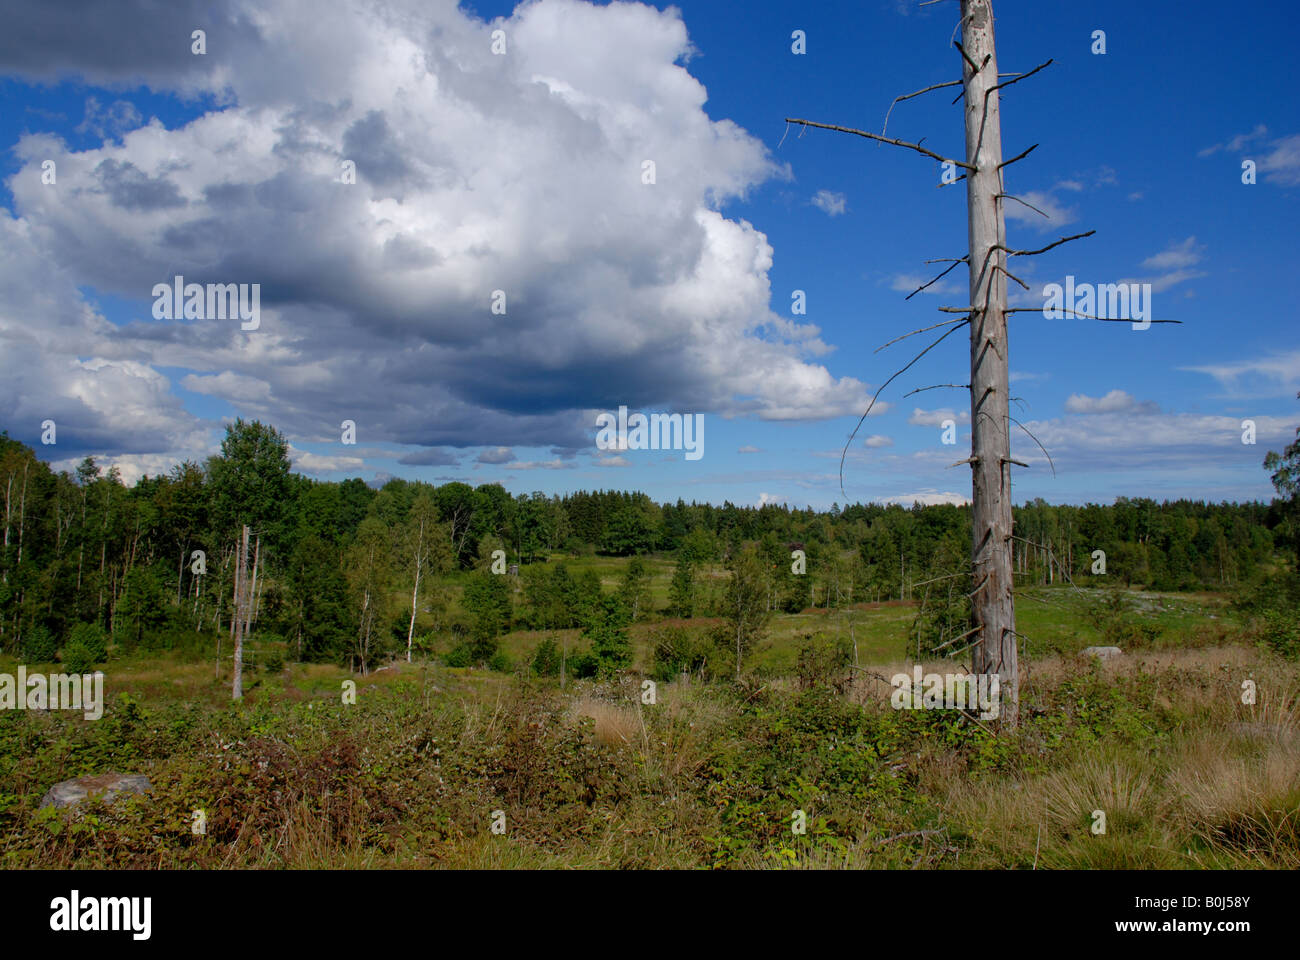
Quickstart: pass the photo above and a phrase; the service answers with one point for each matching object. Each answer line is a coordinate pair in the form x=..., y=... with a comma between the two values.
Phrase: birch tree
x=427, y=548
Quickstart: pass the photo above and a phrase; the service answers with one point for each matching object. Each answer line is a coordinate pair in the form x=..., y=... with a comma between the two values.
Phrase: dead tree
x=241, y=607
x=992, y=600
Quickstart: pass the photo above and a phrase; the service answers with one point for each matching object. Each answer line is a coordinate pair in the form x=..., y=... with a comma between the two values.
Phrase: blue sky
x=481, y=171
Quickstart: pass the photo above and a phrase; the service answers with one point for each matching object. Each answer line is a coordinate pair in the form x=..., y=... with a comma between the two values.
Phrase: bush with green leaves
x=500, y=662
x=610, y=644
x=676, y=650
x=460, y=656
x=273, y=659
x=583, y=665
x=681, y=591
x=546, y=659
x=823, y=661
x=93, y=637
x=39, y=645
x=1273, y=609
x=1119, y=622
x=77, y=658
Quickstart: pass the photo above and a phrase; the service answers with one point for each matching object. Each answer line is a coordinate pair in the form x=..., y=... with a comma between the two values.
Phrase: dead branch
x=950, y=576
x=958, y=386
x=1085, y=316
x=933, y=326
x=1034, y=253
x=1008, y=196
x=1035, y=439
x=963, y=636
x=1023, y=76
x=938, y=340
x=875, y=136
x=957, y=653
x=909, y=96
x=937, y=279
x=971, y=63
x=1009, y=275
x=1018, y=156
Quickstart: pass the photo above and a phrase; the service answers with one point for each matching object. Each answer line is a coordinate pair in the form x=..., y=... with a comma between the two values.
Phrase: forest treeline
x=342, y=571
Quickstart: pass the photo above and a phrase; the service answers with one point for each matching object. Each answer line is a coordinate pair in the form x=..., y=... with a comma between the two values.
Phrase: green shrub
x=676, y=650
x=460, y=656
x=500, y=662
x=823, y=660
x=93, y=637
x=607, y=631
x=583, y=665
x=77, y=657
x=39, y=645
x=1273, y=607
x=546, y=659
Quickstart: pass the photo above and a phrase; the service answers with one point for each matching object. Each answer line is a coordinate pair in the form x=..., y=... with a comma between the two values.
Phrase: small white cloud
x=1113, y=402
x=749, y=449
x=1176, y=256
x=556, y=464
x=935, y=418
x=928, y=498
x=878, y=440
x=1274, y=375
x=1237, y=143
x=832, y=203
x=1283, y=163
x=613, y=462
x=304, y=461
x=495, y=455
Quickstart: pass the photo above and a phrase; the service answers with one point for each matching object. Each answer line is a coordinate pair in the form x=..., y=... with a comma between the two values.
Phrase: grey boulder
x=108, y=785
x=1102, y=653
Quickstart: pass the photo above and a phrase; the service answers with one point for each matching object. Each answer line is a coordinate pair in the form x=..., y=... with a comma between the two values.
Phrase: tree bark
x=251, y=602
x=415, y=592
x=993, y=604
x=241, y=577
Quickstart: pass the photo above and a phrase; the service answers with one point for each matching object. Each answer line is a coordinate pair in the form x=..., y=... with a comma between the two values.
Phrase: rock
x=109, y=785
x=1102, y=653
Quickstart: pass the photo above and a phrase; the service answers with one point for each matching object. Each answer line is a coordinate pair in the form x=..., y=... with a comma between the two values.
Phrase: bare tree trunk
x=234, y=613
x=252, y=592
x=415, y=592
x=22, y=512
x=237, y=687
x=993, y=605
x=410, y=630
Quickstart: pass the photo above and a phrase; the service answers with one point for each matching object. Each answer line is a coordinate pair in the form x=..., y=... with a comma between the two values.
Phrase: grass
x=1161, y=741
